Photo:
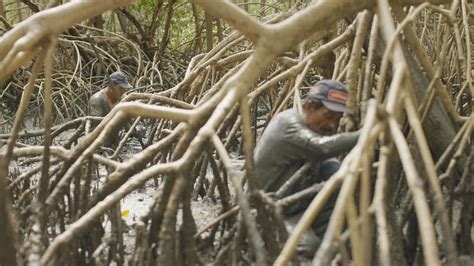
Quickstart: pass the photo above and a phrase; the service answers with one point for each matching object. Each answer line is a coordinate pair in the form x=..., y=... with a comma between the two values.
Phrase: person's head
x=118, y=83
x=324, y=106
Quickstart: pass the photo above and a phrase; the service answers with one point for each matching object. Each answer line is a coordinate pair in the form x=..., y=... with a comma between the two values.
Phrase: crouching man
x=104, y=100
x=292, y=139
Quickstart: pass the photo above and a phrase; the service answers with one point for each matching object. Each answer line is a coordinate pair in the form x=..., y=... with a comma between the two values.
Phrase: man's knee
x=309, y=243
x=329, y=167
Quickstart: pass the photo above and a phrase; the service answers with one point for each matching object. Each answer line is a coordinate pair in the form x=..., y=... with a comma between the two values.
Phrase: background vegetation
x=208, y=76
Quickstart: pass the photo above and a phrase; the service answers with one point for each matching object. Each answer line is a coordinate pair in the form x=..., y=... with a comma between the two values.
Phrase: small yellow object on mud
x=125, y=213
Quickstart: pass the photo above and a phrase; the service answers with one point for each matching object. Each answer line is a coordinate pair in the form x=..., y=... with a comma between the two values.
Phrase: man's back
x=99, y=105
x=275, y=157
x=287, y=144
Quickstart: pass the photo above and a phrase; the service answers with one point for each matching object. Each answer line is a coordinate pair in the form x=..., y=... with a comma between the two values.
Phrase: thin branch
x=253, y=233
x=425, y=225
x=77, y=228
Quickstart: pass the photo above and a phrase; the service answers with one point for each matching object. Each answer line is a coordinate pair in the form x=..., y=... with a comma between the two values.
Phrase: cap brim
x=125, y=85
x=336, y=107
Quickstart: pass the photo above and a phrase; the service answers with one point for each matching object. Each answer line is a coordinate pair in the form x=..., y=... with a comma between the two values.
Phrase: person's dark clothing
x=288, y=143
x=285, y=146
x=99, y=105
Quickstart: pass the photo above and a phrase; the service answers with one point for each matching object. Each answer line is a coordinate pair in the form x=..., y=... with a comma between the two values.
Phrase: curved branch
x=236, y=17
x=301, y=25
x=135, y=23
x=27, y=34
x=34, y=7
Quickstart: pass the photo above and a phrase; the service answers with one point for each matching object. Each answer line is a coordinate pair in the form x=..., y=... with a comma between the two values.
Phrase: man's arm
x=315, y=146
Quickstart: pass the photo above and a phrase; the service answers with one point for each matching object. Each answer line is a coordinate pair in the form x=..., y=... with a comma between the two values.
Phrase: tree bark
x=165, y=38
x=7, y=245
x=2, y=9
x=155, y=22
x=197, y=29
x=438, y=127
x=209, y=33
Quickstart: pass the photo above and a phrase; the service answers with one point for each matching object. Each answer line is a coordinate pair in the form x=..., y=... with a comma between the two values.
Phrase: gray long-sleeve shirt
x=288, y=143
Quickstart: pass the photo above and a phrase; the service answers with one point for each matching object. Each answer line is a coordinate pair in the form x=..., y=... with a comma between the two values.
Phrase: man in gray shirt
x=292, y=139
x=104, y=100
